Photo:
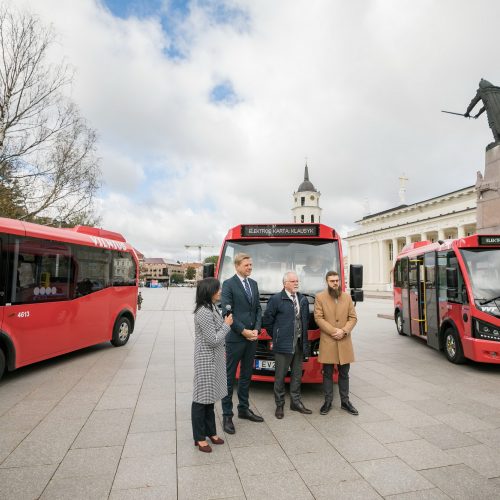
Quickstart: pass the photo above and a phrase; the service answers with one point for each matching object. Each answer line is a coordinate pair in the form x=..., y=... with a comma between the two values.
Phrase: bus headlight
x=487, y=331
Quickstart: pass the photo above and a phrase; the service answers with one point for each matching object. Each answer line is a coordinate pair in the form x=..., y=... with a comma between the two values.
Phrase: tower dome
x=306, y=184
x=306, y=209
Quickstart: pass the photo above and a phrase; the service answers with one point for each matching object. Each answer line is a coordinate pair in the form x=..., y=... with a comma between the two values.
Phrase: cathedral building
x=306, y=207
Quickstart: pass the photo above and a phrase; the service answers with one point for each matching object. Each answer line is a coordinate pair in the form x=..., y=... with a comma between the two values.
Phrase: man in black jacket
x=241, y=293
x=286, y=319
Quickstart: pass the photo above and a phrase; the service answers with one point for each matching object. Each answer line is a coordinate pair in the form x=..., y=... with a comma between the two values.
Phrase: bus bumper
x=484, y=351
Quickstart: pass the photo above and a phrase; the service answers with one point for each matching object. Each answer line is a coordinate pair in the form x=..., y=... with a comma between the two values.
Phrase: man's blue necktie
x=247, y=290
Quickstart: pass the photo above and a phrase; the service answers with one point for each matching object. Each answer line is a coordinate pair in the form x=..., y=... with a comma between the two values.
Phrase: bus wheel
x=399, y=322
x=453, y=347
x=121, y=331
x=2, y=362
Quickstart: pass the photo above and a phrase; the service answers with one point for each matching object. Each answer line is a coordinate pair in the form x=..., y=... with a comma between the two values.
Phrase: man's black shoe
x=325, y=408
x=279, y=413
x=250, y=415
x=348, y=407
x=227, y=424
x=300, y=408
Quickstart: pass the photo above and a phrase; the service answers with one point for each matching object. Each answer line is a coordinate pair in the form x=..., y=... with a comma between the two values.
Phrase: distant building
x=198, y=267
x=383, y=235
x=160, y=269
x=306, y=207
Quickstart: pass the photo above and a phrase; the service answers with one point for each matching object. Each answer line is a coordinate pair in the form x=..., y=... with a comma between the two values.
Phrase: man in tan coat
x=335, y=315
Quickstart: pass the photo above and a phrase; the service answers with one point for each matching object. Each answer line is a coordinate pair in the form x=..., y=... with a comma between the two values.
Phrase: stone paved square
x=115, y=423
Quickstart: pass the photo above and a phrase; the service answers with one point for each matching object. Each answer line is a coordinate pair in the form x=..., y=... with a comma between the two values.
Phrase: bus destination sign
x=278, y=231
x=489, y=240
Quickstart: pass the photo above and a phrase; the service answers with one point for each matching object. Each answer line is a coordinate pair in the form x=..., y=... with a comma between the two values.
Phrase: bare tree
x=46, y=148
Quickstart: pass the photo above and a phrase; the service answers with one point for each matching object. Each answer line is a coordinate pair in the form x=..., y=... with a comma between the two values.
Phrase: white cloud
x=357, y=87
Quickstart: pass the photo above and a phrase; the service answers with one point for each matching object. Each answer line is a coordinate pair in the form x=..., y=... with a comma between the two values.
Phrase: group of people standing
x=224, y=340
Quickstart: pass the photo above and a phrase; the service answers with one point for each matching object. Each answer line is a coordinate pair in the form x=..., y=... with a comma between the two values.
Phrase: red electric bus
x=62, y=290
x=448, y=293
x=308, y=249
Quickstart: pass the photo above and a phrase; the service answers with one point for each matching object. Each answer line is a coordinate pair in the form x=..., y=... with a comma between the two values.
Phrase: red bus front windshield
x=483, y=266
x=272, y=258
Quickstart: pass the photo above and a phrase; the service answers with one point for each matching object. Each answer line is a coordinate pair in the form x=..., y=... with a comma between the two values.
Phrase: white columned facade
x=449, y=214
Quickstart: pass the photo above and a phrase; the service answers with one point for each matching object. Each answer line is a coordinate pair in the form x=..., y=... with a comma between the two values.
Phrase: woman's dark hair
x=205, y=290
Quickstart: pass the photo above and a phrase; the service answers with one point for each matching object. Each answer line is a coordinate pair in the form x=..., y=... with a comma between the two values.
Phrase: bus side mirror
x=208, y=270
x=357, y=295
x=356, y=282
x=355, y=276
x=451, y=282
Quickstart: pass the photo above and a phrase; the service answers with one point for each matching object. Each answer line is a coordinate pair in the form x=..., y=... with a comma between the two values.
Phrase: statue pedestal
x=488, y=194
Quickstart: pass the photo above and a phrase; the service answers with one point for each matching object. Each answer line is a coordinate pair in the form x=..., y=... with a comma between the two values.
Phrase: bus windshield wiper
x=486, y=301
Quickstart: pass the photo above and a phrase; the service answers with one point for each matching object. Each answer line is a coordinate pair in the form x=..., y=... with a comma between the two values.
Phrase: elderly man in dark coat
x=286, y=319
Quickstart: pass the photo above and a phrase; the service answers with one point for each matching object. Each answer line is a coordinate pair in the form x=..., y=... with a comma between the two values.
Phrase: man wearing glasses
x=286, y=320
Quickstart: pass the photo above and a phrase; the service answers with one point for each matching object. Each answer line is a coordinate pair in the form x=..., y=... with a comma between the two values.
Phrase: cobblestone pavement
x=115, y=423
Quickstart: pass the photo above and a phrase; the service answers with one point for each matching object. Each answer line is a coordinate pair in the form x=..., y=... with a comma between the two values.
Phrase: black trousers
x=343, y=382
x=283, y=362
x=203, y=421
x=243, y=353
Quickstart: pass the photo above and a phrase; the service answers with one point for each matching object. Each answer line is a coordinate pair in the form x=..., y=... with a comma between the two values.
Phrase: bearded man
x=335, y=315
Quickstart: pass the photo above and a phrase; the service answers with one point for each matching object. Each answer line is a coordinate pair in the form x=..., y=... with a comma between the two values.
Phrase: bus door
x=405, y=297
x=431, y=324
x=416, y=295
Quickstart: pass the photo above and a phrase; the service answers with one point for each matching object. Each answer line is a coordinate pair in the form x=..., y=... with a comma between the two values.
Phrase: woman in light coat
x=210, y=380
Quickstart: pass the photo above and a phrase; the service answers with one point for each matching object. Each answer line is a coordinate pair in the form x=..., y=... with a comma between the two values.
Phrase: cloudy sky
x=206, y=110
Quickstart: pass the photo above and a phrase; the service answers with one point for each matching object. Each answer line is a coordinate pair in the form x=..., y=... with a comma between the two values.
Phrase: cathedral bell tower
x=306, y=207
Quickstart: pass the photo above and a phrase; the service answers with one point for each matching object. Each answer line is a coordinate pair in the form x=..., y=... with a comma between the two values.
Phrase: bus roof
x=257, y=232
x=473, y=241
x=81, y=235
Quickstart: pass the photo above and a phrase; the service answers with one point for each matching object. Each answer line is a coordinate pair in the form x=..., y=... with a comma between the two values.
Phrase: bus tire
x=2, y=363
x=121, y=331
x=453, y=347
x=398, y=318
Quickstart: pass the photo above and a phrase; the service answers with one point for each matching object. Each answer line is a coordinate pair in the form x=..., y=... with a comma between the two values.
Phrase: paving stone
x=71, y=488
x=286, y=484
x=357, y=489
x=489, y=438
x=209, y=481
x=390, y=476
x=388, y=431
x=143, y=472
x=431, y=407
x=247, y=435
x=464, y=422
x=104, y=428
x=153, y=422
x=421, y=454
x=255, y=460
x=461, y=483
x=308, y=441
x=481, y=458
x=359, y=447
x=323, y=467
x=444, y=436
x=434, y=494
x=90, y=462
x=150, y=444
x=24, y=482
x=150, y=493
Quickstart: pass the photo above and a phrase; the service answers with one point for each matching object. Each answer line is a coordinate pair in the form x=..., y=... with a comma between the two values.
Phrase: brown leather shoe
x=217, y=440
x=279, y=413
x=205, y=449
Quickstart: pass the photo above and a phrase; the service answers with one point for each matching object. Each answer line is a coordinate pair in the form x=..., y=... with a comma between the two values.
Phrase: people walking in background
x=241, y=295
x=210, y=383
x=286, y=319
x=335, y=315
x=139, y=301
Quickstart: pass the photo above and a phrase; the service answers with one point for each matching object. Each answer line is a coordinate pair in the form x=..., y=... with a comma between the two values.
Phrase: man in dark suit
x=286, y=319
x=242, y=294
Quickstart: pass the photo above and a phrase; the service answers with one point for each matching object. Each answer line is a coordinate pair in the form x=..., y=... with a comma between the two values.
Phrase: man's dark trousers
x=243, y=353
x=343, y=382
x=283, y=361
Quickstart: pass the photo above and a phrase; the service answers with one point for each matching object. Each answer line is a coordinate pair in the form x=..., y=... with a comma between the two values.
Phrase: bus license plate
x=264, y=364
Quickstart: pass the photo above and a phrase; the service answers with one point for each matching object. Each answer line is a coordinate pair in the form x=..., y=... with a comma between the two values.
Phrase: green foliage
x=190, y=273
x=176, y=277
x=212, y=259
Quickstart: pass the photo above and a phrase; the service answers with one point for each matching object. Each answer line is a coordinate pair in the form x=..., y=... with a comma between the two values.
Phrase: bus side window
x=397, y=274
x=449, y=260
x=404, y=273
